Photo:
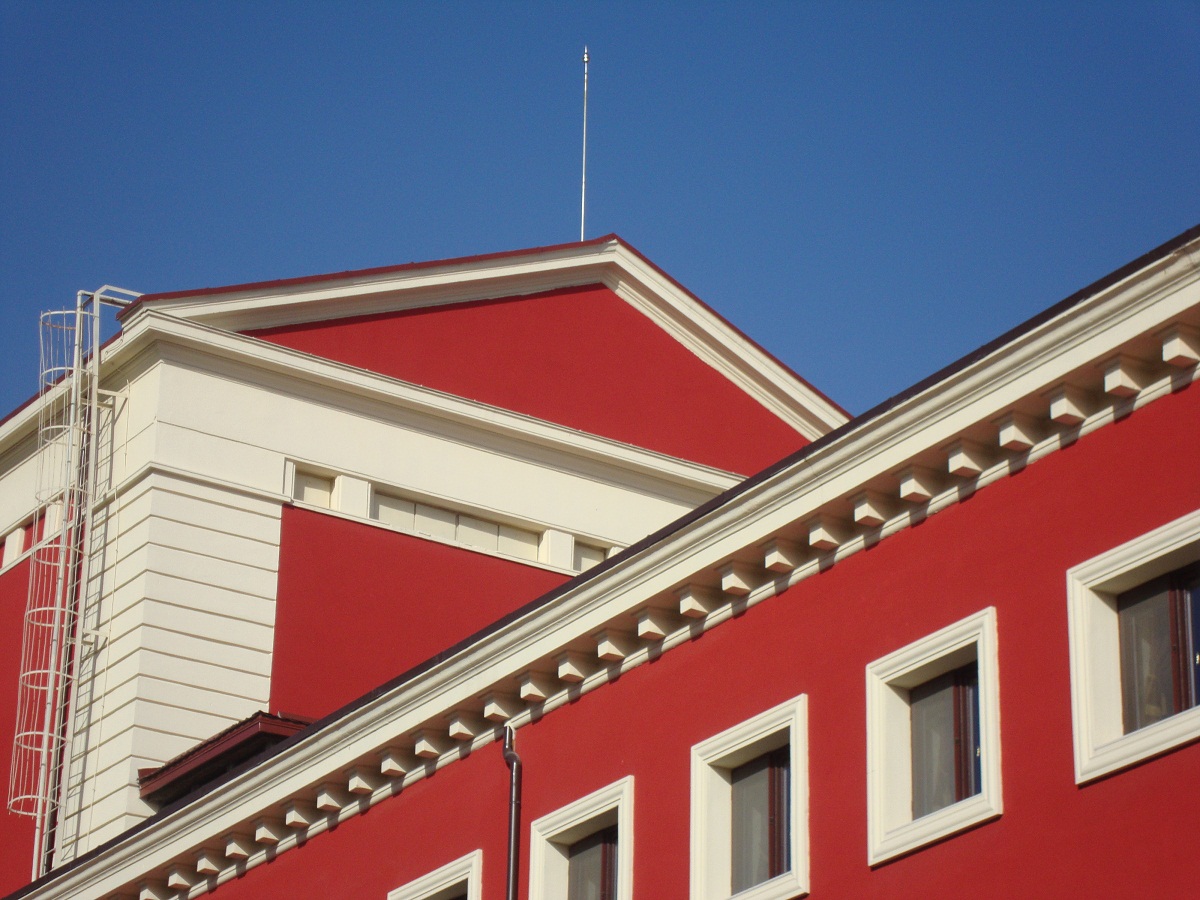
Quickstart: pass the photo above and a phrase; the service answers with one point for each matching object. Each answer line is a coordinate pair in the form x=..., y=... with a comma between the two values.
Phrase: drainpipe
x=514, y=810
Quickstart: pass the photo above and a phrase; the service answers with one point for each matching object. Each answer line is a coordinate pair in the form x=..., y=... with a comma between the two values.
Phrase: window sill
x=1141, y=745
x=781, y=887
x=933, y=827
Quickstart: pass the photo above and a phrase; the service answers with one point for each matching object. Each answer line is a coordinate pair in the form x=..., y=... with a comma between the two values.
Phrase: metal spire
x=583, y=186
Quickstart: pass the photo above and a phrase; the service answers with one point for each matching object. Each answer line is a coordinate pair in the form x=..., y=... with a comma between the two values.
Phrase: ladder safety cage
x=67, y=451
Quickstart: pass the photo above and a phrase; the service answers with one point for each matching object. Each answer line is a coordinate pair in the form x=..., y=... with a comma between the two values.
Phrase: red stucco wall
x=358, y=605
x=1009, y=546
x=580, y=357
x=16, y=832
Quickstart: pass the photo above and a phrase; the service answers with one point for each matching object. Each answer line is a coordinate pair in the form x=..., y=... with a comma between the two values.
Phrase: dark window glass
x=761, y=829
x=1160, y=647
x=946, y=764
x=592, y=867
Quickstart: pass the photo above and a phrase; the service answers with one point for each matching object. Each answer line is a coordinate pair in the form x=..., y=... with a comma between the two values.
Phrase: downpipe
x=513, y=761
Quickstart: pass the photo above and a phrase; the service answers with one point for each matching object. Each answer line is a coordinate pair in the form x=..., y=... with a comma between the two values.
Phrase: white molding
x=891, y=829
x=612, y=264
x=303, y=369
x=447, y=881
x=551, y=835
x=711, y=825
x=1101, y=744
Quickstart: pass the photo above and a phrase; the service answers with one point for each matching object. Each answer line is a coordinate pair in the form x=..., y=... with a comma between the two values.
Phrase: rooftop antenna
x=583, y=186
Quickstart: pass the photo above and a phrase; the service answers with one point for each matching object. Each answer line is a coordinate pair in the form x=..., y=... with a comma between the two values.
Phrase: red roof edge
x=214, y=756
x=364, y=273
x=483, y=257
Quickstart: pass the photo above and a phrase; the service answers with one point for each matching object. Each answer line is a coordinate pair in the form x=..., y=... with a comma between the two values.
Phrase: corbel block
x=299, y=814
x=918, y=484
x=782, y=556
x=396, y=763
x=614, y=646
x=872, y=508
x=738, y=579
x=466, y=726
x=536, y=687
x=573, y=667
x=1125, y=376
x=181, y=877
x=828, y=533
x=428, y=744
x=363, y=780
x=501, y=707
x=966, y=459
x=1181, y=346
x=696, y=602
x=269, y=831
x=1019, y=431
x=1070, y=405
x=332, y=797
x=654, y=624
x=155, y=890
x=239, y=846
x=209, y=862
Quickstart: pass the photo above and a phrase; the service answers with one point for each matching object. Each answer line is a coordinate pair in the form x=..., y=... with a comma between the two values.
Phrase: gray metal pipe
x=513, y=761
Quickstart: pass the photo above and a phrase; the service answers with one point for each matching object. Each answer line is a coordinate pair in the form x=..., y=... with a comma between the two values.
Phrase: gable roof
x=606, y=260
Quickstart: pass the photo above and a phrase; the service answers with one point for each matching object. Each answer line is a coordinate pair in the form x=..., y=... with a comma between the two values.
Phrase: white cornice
x=151, y=328
x=611, y=263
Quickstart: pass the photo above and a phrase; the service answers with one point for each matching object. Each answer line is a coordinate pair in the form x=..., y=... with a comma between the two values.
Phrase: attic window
x=460, y=528
x=316, y=490
x=210, y=759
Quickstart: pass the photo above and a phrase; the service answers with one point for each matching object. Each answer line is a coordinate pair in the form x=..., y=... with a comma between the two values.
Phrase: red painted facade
x=372, y=603
x=581, y=357
x=16, y=832
x=1008, y=546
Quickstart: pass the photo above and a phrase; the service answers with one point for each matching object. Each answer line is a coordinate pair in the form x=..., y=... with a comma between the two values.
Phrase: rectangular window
x=592, y=866
x=587, y=556
x=584, y=851
x=945, y=740
x=316, y=490
x=749, y=808
x=761, y=826
x=1160, y=653
x=459, y=880
x=1132, y=617
x=933, y=738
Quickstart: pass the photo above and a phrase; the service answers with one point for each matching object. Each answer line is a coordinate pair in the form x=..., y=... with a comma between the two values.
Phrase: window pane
x=1144, y=622
x=587, y=556
x=932, y=706
x=946, y=764
x=592, y=867
x=313, y=489
x=759, y=819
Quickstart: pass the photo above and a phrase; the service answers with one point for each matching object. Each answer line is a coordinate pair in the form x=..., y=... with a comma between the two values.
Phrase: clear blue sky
x=870, y=189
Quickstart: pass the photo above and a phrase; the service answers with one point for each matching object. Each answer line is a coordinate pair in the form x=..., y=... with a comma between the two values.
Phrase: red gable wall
x=1010, y=545
x=16, y=832
x=359, y=605
x=581, y=357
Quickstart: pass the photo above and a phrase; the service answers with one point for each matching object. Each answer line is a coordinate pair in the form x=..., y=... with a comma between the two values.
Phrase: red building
x=322, y=543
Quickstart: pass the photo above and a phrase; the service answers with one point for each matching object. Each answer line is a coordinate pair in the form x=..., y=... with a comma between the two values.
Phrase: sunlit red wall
x=580, y=357
x=358, y=605
x=16, y=832
x=1009, y=546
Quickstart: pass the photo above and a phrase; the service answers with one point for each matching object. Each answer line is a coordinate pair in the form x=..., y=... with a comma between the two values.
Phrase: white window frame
x=712, y=816
x=891, y=829
x=1101, y=745
x=552, y=836
x=446, y=882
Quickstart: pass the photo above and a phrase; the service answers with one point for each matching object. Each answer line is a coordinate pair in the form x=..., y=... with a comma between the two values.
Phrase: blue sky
x=870, y=190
